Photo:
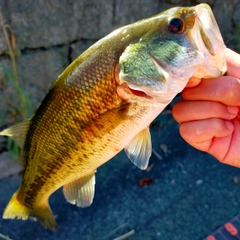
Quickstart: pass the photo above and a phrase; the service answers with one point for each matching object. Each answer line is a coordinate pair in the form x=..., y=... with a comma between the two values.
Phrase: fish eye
x=175, y=25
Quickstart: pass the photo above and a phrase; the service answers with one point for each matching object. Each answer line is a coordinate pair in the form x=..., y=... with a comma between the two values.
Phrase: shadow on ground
x=192, y=195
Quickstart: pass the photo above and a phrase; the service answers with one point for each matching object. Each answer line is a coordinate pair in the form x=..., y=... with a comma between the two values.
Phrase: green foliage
x=238, y=33
x=13, y=147
x=25, y=108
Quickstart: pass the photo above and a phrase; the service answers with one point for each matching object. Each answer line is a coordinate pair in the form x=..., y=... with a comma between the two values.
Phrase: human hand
x=209, y=114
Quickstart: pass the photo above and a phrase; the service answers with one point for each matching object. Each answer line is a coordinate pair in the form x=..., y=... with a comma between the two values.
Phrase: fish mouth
x=209, y=41
x=208, y=29
x=139, y=93
x=127, y=88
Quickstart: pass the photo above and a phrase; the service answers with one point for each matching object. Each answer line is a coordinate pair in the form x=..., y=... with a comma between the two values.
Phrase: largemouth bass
x=105, y=101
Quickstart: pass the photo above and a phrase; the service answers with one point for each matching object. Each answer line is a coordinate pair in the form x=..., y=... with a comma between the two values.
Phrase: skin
x=209, y=114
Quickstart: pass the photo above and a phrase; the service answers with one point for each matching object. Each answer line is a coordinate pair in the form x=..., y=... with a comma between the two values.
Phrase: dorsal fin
x=17, y=132
x=139, y=149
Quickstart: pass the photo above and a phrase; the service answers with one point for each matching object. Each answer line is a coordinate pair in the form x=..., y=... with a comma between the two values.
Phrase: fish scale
x=72, y=131
x=105, y=101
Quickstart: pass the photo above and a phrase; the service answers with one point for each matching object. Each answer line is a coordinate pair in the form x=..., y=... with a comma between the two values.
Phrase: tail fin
x=15, y=209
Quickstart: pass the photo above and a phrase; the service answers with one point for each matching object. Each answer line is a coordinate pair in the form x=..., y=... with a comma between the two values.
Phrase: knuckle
x=232, y=89
x=177, y=112
x=218, y=124
x=216, y=108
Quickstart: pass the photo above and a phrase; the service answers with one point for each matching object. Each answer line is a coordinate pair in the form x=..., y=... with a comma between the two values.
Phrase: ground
x=191, y=195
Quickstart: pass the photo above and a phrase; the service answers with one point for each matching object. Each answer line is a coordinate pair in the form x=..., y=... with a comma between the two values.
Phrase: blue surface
x=192, y=196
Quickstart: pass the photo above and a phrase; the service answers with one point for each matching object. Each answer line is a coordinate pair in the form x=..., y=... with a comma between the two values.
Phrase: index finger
x=224, y=89
x=193, y=82
x=233, y=63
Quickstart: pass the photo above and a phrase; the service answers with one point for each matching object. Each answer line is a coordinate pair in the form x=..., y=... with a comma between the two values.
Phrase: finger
x=185, y=111
x=200, y=133
x=193, y=82
x=233, y=63
x=219, y=148
x=233, y=154
x=223, y=89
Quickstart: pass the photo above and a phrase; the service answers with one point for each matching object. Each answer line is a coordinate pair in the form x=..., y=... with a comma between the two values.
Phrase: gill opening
x=139, y=93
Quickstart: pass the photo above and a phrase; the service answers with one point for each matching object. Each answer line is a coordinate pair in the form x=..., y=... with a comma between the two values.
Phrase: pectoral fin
x=81, y=191
x=17, y=132
x=139, y=149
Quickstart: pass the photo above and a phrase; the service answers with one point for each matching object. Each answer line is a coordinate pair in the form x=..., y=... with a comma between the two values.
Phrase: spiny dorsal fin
x=17, y=132
x=80, y=191
x=139, y=149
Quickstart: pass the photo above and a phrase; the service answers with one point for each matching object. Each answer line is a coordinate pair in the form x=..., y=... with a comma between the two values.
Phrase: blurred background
x=190, y=194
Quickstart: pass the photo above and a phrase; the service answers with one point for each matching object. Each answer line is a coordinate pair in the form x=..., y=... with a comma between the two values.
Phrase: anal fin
x=80, y=191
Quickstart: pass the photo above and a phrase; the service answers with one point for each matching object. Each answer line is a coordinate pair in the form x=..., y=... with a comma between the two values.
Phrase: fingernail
x=229, y=125
x=232, y=109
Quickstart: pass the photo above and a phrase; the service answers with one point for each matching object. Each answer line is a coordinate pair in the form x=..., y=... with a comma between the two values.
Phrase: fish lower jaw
x=210, y=46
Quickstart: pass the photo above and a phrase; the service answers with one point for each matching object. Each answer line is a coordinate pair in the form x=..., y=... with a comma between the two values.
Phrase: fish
x=104, y=102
